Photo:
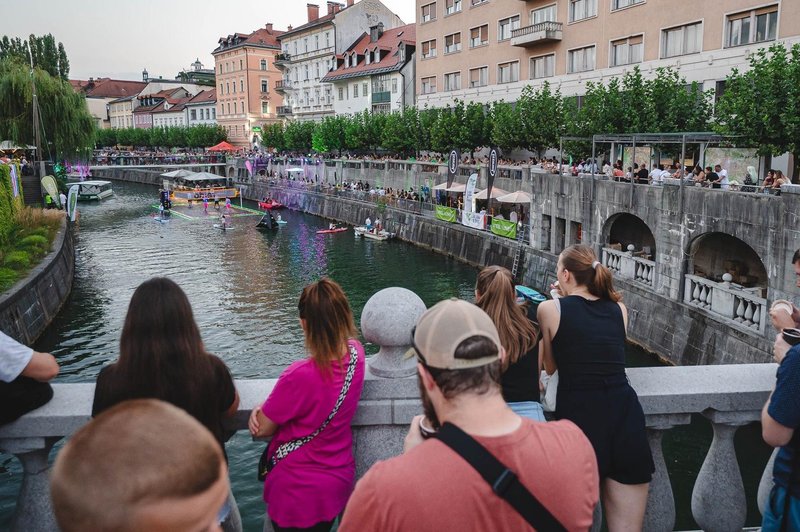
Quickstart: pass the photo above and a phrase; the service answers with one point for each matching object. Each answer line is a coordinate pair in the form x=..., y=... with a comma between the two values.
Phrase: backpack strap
x=502, y=480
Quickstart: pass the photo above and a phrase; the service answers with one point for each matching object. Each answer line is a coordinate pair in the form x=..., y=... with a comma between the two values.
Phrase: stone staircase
x=32, y=190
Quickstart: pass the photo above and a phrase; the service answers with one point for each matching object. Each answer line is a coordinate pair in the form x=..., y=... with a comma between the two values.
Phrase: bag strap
x=285, y=449
x=502, y=480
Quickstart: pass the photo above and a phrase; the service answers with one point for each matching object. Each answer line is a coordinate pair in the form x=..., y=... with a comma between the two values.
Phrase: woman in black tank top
x=583, y=337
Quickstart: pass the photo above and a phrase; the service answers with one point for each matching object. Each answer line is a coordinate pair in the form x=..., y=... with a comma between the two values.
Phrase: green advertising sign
x=504, y=228
x=256, y=129
x=448, y=214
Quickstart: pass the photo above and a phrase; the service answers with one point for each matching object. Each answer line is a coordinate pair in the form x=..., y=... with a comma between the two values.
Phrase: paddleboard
x=219, y=226
x=282, y=222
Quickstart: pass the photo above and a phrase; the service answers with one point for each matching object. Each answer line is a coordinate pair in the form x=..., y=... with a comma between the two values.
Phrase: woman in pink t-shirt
x=308, y=488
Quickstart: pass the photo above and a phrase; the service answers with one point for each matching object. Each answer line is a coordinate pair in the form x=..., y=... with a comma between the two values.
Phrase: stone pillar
x=387, y=320
x=660, y=515
x=34, y=510
x=718, y=499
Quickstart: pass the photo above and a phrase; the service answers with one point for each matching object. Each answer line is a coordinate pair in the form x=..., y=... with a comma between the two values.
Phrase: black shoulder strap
x=502, y=480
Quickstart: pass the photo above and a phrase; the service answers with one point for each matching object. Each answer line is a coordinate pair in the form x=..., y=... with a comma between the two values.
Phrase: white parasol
x=515, y=197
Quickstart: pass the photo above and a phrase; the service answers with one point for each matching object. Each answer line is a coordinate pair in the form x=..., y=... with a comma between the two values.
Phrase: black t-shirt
x=520, y=381
x=113, y=387
x=642, y=175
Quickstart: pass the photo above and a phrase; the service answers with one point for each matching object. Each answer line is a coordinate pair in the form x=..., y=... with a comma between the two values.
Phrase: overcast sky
x=118, y=39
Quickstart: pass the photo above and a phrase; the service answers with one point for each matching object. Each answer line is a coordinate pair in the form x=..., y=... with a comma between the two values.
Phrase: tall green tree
x=47, y=54
x=762, y=105
x=67, y=127
x=397, y=137
x=477, y=127
x=541, y=118
x=505, y=126
x=273, y=137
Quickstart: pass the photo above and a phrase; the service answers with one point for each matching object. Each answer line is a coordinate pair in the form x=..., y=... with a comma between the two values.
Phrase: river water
x=243, y=286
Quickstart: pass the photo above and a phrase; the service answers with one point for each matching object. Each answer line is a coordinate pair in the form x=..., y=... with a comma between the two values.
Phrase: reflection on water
x=243, y=286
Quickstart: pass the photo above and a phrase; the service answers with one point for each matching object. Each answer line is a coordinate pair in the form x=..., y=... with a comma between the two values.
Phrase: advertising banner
x=453, y=162
x=470, y=191
x=493, y=156
x=504, y=228
x=14, y=180
x=50, y=186
x=447, y=214
x=475, y=220
x=72, y=202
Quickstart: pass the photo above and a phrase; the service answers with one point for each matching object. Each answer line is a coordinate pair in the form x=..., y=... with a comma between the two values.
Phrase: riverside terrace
x=728, y=396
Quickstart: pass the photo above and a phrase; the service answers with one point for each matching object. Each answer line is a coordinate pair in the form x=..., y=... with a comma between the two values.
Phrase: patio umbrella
x=496, y=193
x=223, y=146
x=515, y=197
x=178, y=173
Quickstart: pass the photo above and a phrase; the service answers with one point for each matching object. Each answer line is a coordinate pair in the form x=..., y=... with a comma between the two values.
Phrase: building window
x=619, y=4
x=429, y=85
x=263, y=64
x=429, y=49
x=327, y=39
x=364, y=89
x=394, y=85
x=264, y=85
x=581, y=9
x=220, y=88
x=452, y=6
x=355, y=90
x=543, y=66
x=508, y=72
x=478, y=2
x=264, y=108
x=544, y=14
x=382, y=108
x=627, y=51
x=580, y=60
x=327, y=96
x=235, y=108
x=316, y=42
x=241, y=64
x=228, y=87
x=758, y=25
x=316, y=65
x=306, y=72
x=452, y=81
x=207, y=114
x=506, y=26
x=478, y=77
x=479, y=36
x=682, y=40
x=341, y=94
x=229, y=107
x=241, y=85
x=193, y=114
x=452, y=43
x=234, y=86
x=428, y=12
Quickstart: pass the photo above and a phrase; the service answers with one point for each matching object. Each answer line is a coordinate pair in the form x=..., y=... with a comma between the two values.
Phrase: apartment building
x=309, y=53
x=202, y=109
x=488, y=50
x=376, y=73
x=245, y=72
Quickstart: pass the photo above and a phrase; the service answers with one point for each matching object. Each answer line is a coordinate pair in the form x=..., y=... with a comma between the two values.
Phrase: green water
x=243, y=286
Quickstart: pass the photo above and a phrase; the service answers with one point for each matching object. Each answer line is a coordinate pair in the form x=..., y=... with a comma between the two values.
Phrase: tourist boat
x=201, y=185
x=271, y=204
x=380, y=235
x=336, y=230
x=94, y=190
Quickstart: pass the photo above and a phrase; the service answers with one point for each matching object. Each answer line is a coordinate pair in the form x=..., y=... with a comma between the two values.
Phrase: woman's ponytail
x=581, y=261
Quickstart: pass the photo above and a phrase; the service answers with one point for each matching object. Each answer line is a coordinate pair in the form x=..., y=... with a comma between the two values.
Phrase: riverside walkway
x=728, y=396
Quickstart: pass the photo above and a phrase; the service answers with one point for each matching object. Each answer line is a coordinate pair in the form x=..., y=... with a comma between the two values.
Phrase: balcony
x=284, y=110
x=282, y=59
x=381, y=97
x=537, y=33
x=282, y=85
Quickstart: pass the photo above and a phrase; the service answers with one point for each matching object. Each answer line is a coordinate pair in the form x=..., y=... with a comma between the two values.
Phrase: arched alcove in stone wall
x=711, y=255
x=231, y=171
x=623, y=229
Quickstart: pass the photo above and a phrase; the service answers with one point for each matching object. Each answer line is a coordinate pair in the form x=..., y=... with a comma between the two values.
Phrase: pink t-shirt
x=313, y=483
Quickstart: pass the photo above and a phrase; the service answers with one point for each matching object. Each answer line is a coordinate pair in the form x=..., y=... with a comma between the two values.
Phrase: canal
x=243, y=286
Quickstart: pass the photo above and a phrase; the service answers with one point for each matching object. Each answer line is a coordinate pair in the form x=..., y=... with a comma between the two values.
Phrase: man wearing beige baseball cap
x=469, y=462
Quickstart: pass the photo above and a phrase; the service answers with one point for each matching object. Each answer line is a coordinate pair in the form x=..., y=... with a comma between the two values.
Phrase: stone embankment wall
x=29, y=306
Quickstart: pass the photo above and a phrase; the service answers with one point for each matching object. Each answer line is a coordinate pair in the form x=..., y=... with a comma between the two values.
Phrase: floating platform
x=182, y=210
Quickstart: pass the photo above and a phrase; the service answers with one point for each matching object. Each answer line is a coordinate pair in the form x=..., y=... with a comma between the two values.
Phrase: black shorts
x=613, y=420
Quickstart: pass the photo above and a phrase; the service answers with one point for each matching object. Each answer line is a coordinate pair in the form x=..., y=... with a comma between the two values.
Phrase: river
x=243, y=286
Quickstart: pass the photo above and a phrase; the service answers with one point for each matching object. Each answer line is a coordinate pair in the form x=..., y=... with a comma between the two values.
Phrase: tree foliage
x=47, y=54
x=762, y=105
x=199, y=136
x=67, y=128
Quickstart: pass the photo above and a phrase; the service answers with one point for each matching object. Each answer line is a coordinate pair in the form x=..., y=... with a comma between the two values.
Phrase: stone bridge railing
x=736, y=305
x=729, y=396
x=628, y=266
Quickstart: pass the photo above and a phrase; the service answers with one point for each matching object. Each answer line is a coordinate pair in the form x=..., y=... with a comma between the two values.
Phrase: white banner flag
x=475, y=220
x=470, y=191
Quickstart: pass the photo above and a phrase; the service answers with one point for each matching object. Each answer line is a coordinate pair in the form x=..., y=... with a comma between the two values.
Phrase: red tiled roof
x=177, y=104
x=204, y=97
x=114, y=88
x=388, y=42
x=264, y=37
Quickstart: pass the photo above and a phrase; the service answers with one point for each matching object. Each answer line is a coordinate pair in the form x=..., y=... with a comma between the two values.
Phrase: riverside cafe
x=480, y=220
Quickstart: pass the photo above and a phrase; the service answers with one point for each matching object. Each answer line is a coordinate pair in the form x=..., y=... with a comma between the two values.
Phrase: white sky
x=118, y=39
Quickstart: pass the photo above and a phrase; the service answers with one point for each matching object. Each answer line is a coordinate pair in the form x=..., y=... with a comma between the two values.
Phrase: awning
x=455, y=187
x=204, y=176
x=496, y=193
x=515, y=197
x=178, y=173
x=223, y=146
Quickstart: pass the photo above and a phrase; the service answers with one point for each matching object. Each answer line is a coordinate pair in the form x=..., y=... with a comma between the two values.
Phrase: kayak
x=530, y=294
x=326, y=231
x=270, y=205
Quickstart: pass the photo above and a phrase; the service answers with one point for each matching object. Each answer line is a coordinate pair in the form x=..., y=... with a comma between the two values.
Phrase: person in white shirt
x=23, y=378
x=721, y=171
x=63, y=199
x=655, y=175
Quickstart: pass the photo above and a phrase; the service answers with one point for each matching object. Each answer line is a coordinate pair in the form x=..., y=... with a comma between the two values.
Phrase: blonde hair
x=496, y=297
x=133, y=454
x=328, y=321
x=580, y=261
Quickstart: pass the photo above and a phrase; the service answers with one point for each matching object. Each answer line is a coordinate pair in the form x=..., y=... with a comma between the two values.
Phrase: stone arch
x=624, y=229
x=231, y=171
x=711, y=255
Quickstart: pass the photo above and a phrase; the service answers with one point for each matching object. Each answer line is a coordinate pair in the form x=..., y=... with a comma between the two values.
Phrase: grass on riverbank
x=31, y=239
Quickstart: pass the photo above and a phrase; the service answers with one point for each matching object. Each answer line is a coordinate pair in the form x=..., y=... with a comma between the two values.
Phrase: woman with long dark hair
x=162, y=356
x=494, y=293
x=583, y=336
x=308, y=485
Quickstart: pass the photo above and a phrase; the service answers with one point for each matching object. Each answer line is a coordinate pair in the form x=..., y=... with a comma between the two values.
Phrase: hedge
x=9, y=204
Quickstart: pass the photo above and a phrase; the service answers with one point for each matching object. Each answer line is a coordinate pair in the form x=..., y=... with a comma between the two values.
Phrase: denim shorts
x=529, y=409
x=773, y=512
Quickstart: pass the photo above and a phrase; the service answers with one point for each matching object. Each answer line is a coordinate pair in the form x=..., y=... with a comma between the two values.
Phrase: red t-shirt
x=432, y=488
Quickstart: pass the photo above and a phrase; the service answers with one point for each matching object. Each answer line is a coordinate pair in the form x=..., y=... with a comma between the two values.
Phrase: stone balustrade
x=626, y=265
x=740, y=306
